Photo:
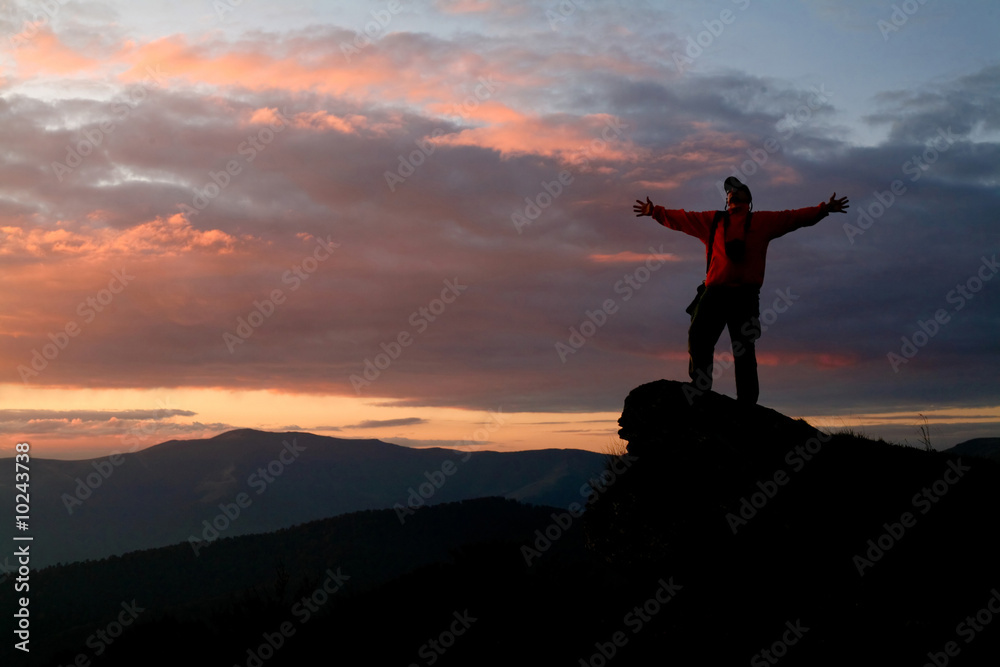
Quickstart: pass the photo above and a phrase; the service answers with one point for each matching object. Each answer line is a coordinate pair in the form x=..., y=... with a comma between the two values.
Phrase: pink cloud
x=629, y=257
x=158, y=237
x=724, y=355
x=472, y=110
x=402, y=67
x=40, y=52
x=465, y=6
x=575, y=139
x=297, y=64
x=818, y=359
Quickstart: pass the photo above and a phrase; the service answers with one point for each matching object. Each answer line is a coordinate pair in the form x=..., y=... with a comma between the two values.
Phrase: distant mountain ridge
x=248, y=481
x=987, y=448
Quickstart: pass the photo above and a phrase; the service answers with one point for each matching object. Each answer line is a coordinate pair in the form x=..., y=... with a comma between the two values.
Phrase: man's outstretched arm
x=690, y=222
x=779, y=223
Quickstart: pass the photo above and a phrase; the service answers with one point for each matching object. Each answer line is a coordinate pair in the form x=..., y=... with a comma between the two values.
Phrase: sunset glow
x=337, y=218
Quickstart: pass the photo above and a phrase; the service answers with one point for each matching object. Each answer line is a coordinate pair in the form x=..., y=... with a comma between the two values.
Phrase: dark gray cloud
x=968, y=106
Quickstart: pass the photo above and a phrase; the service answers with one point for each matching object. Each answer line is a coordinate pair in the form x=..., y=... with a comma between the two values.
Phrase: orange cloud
x=473, y=110
x=302, y=66
x=574, y=139
x=629, y=257
x=465, y=6
x=827, y=360
x=319, y=121
x=819, y=359
x=40, y=52
x=401, y=67
x=452, y=82
x=160, y=237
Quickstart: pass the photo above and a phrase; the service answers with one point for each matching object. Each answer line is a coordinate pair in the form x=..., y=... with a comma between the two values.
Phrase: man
x=735, y=245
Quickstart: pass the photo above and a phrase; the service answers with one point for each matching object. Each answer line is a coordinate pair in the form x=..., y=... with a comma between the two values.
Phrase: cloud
x=388, y=423
x=968, y=106
x=39, y=51
x=426, y=443
x=577, y=140
x=478, y=6
x=630, y=257
x=91, y=415
x=246, y=263
x=160, y=237
x=131, y=428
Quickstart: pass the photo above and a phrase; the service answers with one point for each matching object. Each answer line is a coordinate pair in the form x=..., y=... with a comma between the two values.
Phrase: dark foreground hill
x=884, y=552
x=723, y=537
x=245, y=481
x=169, y=605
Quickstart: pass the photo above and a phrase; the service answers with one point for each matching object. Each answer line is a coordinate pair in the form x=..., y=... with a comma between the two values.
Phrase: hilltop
x=880, y=550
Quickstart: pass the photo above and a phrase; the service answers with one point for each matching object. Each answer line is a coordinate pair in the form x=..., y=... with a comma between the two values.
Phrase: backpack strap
x=720, y=215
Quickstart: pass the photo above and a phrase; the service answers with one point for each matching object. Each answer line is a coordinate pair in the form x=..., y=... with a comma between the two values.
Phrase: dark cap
x=733, y=183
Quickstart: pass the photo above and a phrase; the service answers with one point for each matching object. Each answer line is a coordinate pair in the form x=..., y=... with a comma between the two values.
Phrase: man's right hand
x=837, y=205
x=643, y=208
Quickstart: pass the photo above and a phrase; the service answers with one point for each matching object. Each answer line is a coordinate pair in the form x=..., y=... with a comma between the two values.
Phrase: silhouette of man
x=735, y=246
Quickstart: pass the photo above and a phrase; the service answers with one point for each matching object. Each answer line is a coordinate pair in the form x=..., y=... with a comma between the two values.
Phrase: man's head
x=737, y=192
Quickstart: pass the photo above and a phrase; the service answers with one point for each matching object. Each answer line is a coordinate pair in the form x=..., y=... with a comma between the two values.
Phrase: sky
x=411, y=220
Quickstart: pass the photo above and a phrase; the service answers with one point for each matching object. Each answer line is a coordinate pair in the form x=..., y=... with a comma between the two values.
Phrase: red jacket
x=764, y=226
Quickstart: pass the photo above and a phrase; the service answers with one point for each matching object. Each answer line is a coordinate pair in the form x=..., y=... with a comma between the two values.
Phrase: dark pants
x=737, y=308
